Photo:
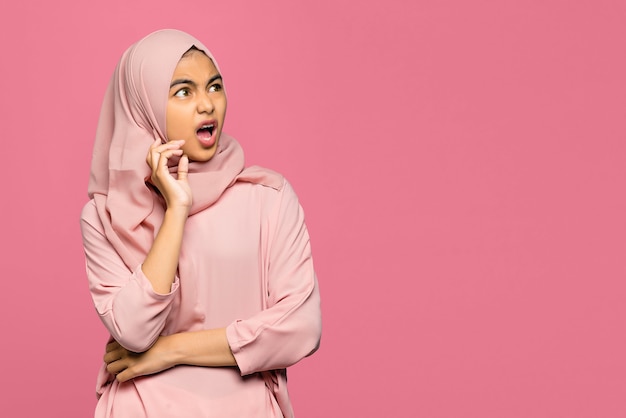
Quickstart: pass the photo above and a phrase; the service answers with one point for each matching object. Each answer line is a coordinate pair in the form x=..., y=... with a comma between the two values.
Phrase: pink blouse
x=245, y=264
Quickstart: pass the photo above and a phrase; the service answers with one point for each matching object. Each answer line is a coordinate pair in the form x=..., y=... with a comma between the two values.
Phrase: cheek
x=185, y=148
x=173, y=122
x=224, y=105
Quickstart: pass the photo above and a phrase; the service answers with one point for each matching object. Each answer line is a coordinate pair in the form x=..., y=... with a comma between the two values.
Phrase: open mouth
x=206, y=131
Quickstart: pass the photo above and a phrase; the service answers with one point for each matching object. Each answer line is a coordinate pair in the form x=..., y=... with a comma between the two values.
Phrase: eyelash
x=217, y=86
x=212, y=88
x=184, y=90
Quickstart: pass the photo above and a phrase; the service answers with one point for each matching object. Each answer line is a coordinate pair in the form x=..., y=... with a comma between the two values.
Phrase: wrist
x=170, y=350
x=177, y=212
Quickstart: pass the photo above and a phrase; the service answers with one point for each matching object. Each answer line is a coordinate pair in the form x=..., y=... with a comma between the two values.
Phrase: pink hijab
x=132, y=116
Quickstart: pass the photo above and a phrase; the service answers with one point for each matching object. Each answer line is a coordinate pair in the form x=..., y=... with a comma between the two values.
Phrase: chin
x=204, y=155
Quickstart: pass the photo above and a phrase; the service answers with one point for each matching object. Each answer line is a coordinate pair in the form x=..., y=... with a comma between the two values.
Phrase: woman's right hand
x=175, y=190
x=162, y=260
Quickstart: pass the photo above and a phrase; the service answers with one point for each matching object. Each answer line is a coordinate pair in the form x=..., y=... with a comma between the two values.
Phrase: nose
x=205, y=104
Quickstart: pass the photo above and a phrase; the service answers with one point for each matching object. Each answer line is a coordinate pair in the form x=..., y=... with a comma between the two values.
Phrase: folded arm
x=288, y=330
x=134, y=304
x=208, y=348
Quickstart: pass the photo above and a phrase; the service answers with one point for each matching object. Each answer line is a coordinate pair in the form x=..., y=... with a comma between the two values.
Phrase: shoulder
x=263, y=177
x=270, y=184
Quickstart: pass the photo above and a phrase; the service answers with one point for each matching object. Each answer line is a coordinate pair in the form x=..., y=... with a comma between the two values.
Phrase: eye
x=184, y=92
x=215, y=87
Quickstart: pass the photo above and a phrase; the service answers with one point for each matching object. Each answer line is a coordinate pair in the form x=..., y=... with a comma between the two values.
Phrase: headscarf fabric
x=131, y=118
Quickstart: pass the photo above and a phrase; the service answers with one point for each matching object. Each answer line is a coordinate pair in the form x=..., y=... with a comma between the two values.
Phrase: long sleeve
x=289, y=329
x=130, y=309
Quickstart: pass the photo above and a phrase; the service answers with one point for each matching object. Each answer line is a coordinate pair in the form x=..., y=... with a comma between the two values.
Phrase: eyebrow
x=187, y=81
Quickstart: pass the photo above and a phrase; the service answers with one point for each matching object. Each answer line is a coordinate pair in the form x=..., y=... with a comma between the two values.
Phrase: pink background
x=462, y=165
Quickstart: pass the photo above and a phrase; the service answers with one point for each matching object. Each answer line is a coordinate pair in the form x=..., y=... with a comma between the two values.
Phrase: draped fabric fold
x=131, y=118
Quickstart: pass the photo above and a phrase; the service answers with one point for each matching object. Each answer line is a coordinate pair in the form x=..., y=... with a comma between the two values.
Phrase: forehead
x=195, y=63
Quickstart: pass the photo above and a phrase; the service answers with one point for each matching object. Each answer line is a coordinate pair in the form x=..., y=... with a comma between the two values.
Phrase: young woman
x=199, y=268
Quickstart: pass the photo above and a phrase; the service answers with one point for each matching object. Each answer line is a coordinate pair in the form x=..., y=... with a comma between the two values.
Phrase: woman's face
x=196, y=106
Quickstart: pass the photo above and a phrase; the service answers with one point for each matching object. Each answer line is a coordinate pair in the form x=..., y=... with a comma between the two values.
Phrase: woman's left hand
x=126, y=365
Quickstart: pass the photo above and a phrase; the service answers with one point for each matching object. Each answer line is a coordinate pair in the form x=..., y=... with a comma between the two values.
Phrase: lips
x=206, y=133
